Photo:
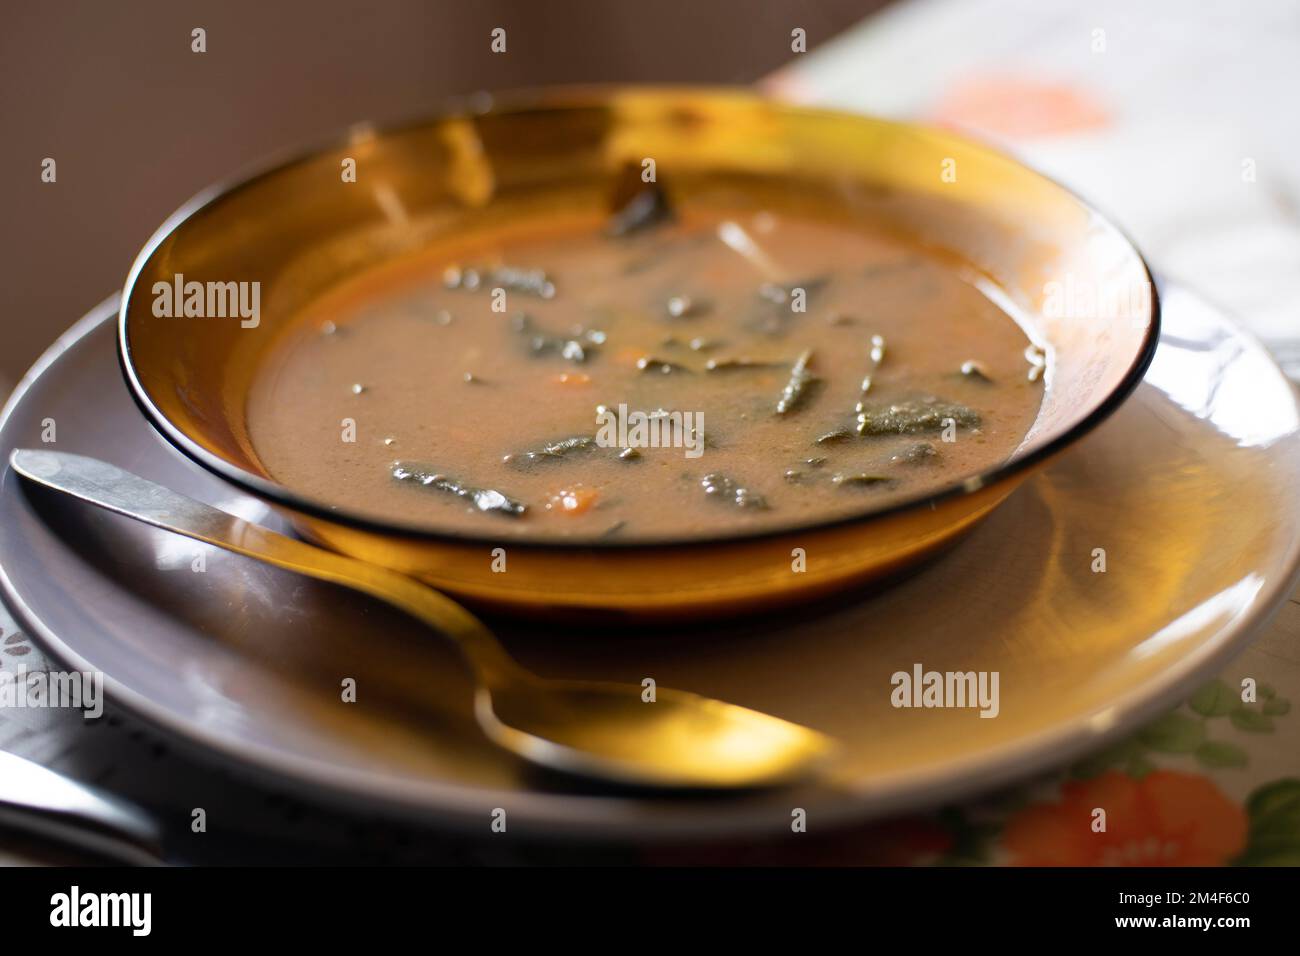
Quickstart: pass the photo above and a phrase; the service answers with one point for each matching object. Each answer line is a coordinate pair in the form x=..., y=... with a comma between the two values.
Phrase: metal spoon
x=36, y=800
x=591, y=729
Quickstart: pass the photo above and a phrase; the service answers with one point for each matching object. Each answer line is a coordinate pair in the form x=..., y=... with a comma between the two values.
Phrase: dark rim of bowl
x=563, y=97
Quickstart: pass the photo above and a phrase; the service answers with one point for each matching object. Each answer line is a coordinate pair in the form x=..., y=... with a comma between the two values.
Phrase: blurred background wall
x=137, y=123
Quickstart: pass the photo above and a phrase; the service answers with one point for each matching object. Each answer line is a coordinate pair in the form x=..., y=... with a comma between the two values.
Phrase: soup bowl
x=286, y=235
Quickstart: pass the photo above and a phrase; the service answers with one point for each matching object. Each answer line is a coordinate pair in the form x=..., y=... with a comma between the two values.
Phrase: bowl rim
x=569, y=97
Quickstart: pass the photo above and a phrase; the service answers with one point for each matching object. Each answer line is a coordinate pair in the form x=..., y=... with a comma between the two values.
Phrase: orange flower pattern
x=1166, y=818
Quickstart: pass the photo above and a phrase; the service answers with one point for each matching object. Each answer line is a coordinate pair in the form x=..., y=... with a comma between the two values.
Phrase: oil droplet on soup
x=676, y=376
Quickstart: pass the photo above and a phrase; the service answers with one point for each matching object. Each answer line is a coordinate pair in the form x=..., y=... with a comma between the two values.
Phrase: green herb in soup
x=660, y=373
x=553, y=451
x=799, y=386
x=484, y=499
x=927, y=414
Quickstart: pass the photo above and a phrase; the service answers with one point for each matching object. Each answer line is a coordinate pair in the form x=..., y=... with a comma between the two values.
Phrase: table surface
x=1163, y=119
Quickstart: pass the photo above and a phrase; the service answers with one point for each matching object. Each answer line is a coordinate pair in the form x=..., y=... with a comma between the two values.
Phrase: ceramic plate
x=1187, y=494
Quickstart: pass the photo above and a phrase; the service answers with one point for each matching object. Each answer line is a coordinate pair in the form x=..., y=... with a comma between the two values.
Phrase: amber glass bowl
x=1073, y=281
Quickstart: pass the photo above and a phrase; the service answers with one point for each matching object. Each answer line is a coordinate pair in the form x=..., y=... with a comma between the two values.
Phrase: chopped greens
x=552, y=451
x=917, y=454
x=484, y=499
x=799, y=386
x=915, y=416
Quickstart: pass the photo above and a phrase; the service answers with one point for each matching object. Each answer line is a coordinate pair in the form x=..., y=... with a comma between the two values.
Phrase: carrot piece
x=575, y=500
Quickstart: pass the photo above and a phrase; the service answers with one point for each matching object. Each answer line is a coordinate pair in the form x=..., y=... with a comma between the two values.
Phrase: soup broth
x=660, y=376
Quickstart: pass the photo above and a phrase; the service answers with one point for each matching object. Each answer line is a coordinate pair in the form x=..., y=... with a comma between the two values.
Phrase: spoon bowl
x=673, y=739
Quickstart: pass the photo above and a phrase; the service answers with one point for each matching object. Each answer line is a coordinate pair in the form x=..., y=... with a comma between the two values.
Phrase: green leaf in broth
x=552, y=451
x=800, y=385
x=484, y=499
x=914, y=416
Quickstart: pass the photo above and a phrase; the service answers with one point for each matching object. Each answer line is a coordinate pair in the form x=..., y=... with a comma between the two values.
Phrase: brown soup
x=666, y=376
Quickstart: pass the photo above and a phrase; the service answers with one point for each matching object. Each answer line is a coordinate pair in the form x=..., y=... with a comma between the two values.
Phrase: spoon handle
x=124, y=493
x=34, y=799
